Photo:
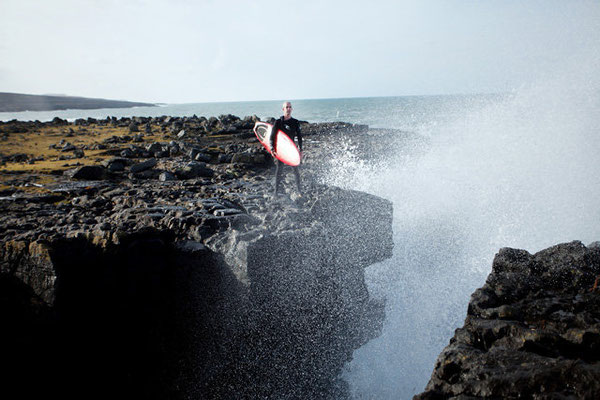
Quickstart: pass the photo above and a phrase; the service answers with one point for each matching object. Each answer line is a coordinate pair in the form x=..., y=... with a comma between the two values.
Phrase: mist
x=519, y=172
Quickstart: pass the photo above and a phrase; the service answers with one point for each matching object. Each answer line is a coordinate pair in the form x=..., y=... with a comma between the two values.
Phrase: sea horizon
x=406, y=112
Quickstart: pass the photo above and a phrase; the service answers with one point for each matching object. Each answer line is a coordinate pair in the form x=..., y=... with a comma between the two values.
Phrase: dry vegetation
x=35, y=157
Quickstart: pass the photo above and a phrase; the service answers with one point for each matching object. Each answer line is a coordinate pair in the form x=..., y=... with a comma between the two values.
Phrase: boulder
x=143, y=166
x=115, y=164
x=154, y=148
x=133, y=127
x=87, y=173
x=194, y=170
x=531, y=331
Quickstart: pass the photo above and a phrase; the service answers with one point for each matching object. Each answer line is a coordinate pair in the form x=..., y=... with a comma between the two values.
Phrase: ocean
x=506, y=170
x=404, y=112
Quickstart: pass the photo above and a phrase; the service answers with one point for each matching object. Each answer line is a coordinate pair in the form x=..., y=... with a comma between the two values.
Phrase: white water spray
x=522, y=172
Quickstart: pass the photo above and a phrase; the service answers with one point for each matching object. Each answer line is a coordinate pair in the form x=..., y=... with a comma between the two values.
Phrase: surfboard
x=286, y=150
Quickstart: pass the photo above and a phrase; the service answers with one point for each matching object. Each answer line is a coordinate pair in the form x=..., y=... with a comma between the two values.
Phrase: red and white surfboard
x=286, y=150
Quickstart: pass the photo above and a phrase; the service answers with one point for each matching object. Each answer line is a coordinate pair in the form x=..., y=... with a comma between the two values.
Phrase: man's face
x=287, y=110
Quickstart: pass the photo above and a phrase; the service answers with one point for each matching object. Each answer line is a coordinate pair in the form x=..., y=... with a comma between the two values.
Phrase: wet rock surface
x=169, y=269
x=532, y=331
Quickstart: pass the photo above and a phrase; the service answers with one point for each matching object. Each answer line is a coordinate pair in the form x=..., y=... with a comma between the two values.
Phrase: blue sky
x=198, y=51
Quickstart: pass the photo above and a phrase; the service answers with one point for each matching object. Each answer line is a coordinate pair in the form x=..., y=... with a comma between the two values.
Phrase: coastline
x=18, y=102
x=148, y=256
x=191, y=192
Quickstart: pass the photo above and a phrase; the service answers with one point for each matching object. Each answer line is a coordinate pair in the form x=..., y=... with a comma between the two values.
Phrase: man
x=291, y=127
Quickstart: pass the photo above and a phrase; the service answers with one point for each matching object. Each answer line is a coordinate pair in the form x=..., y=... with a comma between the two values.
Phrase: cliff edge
x=168, y=269
x=532, y=331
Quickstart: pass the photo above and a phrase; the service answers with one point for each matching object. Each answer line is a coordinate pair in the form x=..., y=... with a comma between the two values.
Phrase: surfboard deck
x=287, y=152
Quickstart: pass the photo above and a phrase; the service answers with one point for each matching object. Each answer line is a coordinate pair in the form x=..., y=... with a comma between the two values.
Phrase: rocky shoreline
x=532, y=331
x=148, y=256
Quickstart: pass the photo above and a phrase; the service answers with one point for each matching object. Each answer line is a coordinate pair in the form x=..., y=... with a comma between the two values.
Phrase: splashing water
x=521, y=172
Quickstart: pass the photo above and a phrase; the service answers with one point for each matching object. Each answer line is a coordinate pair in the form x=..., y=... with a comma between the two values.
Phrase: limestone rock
x=533, y=330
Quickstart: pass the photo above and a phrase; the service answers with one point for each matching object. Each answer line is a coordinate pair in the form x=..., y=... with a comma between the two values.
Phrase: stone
x=143, y=166
x=154, y=147
x=115, y=164
x=127, y=153
x=202, y=157
x=88, y=172
x=68, y=147
x=531, y=329
x=166, y=176
x=194, y=170
x=133, y=127
x=249, y=158
x=78, y=153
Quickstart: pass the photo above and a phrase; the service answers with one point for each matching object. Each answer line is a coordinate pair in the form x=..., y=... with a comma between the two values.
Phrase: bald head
x=287, y=109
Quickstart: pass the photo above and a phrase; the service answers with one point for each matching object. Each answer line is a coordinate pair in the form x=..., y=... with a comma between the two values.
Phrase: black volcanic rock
x=532, y=331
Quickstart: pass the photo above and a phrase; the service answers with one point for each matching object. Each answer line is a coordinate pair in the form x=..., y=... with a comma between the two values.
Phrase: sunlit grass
x=48, y=162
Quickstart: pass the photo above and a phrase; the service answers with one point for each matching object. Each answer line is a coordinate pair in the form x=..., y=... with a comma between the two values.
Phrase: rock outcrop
x=532, y=331
x=155, y=275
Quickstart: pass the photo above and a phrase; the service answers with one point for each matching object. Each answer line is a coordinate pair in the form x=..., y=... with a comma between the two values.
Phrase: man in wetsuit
x=291, y=127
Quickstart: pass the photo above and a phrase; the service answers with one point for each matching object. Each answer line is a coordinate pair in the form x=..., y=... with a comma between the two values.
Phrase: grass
x=36, y=145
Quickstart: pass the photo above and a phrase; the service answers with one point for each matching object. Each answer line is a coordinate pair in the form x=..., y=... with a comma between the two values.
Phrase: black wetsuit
x=290, y=127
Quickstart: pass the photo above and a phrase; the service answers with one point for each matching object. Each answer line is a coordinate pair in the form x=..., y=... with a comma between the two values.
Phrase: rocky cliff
x=532, y=331
x=169, y=277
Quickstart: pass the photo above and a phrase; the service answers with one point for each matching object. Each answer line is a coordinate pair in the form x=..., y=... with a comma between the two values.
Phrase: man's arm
x=299, y=136
x=273, y=136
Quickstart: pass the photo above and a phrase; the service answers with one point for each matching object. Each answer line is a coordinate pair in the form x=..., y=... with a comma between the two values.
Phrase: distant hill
x=14, y=102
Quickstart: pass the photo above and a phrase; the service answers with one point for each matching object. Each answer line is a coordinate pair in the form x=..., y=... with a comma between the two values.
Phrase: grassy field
x=41, y=147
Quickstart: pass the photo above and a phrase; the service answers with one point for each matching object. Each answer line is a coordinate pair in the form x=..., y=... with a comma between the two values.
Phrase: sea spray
x=519, y=172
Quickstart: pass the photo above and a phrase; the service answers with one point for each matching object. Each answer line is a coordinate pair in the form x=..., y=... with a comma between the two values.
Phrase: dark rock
x=68, y=147
x=154, y=147
x=59, y=121
x=249, y=158
x=166, y=176
x=194, y=170
x=225, y=158
x=143, y=166
x=88, y=172
x=78, y=153
x=531, y=331
x=145, y=174
x=115, y=164
x=127, y=153
x=202, y=157
x=133, y=127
